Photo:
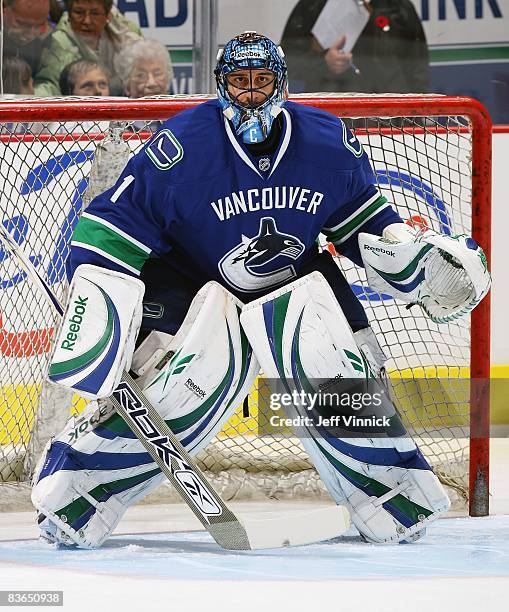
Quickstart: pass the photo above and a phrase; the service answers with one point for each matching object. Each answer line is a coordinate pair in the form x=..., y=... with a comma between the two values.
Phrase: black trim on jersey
x=271, y=143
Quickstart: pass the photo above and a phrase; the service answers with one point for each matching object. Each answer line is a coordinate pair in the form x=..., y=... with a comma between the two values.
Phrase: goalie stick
x=224, y=526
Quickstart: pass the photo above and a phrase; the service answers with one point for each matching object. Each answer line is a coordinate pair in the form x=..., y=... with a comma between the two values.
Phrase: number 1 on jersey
x=121, y=188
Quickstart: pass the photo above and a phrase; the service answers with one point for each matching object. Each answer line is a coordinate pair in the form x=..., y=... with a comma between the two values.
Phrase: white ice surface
x=461, y=565
x=457, y=548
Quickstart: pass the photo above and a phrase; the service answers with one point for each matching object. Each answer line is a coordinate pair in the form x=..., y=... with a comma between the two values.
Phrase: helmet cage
x=251, y=51
x=248, y=101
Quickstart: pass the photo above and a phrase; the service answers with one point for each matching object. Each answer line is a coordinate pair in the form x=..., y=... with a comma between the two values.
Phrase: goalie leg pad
x=367, y=342
x=299, y=333
x=196, y=386
x=78, y=500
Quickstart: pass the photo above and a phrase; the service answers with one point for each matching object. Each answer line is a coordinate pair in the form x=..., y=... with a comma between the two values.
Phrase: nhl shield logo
x=264, y=164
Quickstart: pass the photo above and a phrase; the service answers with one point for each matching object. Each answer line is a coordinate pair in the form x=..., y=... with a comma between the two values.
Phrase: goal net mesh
x=422, y=166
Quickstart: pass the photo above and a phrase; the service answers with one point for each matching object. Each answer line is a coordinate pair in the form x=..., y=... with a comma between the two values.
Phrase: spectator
x=17, y=76
x=26, y=30
x=84, y=78
x=17, y=80
x=390, y=55
x=91, y=29
x=81, y=78
x=145, y=69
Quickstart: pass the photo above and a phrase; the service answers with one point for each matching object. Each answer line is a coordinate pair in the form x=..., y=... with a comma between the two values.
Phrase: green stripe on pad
x=245, y=363
x=79, y=506
x=116, y=425
x=280, y=310
x=403, y=504
x=303, y=379
x=355, y=360
x=352, y=356
x=408, y=270
x=167, y=370
x=367, y=367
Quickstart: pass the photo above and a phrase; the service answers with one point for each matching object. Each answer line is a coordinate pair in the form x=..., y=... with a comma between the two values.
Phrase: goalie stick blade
x=306, y=527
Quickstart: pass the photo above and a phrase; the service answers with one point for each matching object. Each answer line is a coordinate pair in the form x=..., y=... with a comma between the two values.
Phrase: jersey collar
x=283, y=145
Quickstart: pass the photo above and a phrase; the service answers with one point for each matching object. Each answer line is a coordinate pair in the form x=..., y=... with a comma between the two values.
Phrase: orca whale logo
x=244, y=267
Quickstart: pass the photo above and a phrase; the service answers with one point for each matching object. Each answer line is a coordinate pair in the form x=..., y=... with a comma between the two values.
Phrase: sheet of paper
x=340, y=18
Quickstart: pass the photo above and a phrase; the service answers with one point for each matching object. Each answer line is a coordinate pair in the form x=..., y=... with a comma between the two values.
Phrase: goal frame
x=348, y=106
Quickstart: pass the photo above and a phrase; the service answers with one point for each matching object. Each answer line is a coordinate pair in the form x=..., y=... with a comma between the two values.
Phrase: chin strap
x=253, y=125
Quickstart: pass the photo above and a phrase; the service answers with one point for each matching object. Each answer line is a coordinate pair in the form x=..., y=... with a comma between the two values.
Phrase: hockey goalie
x=200, y=266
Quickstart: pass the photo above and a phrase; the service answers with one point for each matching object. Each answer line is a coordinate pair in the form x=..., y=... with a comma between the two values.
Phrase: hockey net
x=431, y=156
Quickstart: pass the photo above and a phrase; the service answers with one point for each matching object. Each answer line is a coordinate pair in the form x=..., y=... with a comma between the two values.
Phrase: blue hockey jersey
x=248, y=222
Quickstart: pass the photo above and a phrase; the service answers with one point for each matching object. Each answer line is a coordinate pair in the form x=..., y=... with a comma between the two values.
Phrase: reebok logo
x=75, y=321
x=331, y=382
x=248, y=54
x=83, y=425
x=379, y=250
x=192, y=386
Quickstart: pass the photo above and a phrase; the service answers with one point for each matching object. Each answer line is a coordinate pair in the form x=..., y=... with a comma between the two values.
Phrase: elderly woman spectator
x=84, y=78
x=145, y=69
x=91, y=29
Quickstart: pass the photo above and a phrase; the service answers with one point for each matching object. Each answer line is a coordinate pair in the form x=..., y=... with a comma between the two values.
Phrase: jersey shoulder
x=190, y=145
x=322, y=138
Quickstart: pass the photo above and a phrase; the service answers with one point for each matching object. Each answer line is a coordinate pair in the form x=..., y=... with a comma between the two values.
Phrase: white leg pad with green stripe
x=300, y=335
x=97, y=468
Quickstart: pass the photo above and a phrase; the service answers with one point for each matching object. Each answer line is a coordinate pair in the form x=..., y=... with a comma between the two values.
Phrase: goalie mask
x=252, y=84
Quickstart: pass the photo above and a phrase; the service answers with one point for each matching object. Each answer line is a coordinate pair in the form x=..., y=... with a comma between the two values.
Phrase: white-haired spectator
x=144, y=68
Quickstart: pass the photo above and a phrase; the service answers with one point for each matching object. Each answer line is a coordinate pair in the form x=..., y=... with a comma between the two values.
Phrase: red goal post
x=389, y=120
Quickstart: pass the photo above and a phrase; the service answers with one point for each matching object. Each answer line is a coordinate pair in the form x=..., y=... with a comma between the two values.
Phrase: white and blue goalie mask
x=252, y=84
